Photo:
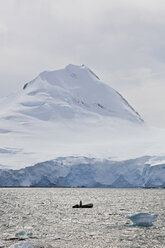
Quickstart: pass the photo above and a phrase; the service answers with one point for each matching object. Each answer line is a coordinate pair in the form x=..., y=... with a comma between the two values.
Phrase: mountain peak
x=76, y=69
x=81, y=90
x=73, y=92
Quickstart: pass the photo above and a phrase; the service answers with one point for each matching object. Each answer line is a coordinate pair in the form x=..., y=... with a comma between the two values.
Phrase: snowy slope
x=73, y=92
x=70, y=113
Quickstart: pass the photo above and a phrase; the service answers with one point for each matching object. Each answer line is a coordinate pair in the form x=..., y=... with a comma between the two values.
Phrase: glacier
x=86, y=172
x=67, y=128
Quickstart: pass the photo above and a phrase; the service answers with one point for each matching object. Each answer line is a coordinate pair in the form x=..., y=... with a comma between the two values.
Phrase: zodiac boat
x=90, y=205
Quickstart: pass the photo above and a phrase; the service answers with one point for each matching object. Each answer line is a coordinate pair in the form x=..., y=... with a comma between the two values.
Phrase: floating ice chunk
x=1, y=244
x=25, y=244
x=30, y=234
x=21, y=234
x=142, y=219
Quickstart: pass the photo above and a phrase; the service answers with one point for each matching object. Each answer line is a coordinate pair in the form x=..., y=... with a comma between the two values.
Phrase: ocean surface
x=47, y=214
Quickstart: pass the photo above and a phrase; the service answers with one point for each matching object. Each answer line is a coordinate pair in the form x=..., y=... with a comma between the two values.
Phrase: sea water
x=47, y=214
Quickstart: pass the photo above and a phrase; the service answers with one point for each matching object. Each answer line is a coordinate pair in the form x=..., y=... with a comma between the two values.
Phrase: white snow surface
x=72, y=113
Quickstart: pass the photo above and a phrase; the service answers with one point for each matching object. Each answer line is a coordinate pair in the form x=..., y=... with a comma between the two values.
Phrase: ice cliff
x=86, y=172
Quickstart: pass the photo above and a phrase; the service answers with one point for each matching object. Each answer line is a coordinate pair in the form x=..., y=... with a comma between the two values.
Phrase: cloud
x=122, y=41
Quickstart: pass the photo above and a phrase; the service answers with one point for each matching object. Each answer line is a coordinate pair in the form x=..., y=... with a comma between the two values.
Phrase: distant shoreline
x=63, y=187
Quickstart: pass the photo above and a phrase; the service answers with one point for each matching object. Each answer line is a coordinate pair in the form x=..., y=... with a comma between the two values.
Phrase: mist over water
x=49, y=216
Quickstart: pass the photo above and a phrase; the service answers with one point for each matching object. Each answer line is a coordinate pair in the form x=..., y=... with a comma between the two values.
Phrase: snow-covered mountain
x=68, y=128
x=71, y=93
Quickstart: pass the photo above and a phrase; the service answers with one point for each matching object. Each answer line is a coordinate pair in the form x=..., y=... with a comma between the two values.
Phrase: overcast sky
x=122, y=41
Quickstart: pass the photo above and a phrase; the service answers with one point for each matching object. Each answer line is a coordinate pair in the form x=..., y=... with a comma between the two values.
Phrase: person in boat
x=90, y=205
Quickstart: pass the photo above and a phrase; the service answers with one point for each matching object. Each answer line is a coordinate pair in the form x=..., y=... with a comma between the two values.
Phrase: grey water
x=48, y=214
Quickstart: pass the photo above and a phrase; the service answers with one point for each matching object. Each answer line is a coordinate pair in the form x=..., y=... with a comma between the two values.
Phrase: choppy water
x=49, y=215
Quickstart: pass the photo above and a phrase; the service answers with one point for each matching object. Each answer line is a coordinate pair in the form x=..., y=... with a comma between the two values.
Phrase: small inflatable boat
x=90, y=205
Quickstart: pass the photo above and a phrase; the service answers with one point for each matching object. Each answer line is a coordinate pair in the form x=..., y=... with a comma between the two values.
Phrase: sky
x=122, y=41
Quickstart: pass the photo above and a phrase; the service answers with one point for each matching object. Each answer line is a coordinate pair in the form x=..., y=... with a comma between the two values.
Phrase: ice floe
x=142, y=219
x=25, y=244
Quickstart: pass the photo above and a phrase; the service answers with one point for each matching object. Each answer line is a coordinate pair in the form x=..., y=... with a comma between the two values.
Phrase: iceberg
x=21, y=234
x=142, y=219
x=25, y=244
